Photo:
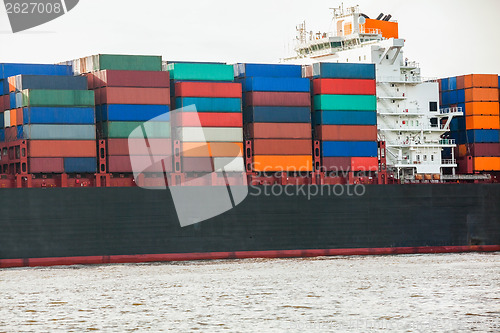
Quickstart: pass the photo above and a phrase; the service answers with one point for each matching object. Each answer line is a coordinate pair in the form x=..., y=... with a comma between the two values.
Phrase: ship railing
x=370, y=31
x=429, y=79
x=400, y=79
x=447, y=141
x=411, y=64
x=449, y=161
x=455, y=109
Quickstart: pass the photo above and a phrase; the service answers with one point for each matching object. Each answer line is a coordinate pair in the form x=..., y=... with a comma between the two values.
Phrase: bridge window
x=433, y=106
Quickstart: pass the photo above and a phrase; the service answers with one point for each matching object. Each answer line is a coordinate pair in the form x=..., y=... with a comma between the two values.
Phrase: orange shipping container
x=270, y=163
x=482, y=122
x=62, y=148
x=13, y=117
x=481, y=108
x=462, y=150
x=487, y=163
x=481, y=80
x=481, y=95
x=212, y=149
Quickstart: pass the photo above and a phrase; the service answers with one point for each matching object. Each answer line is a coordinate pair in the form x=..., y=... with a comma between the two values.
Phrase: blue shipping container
x=461, y=96
x=345, y=118
x=459, y=137
x=277, y=114
x=444, y=84
x=482, y=136
x=58, y=115
x=4, y=87
x=452, y=83
x=56, y=82
x=275, y=84
x=129, y=112
x=2, y=135
x=349, y=149
x=80, y=164
x=453, y=97
x=11, y=69
x=457, y=124
x=2, y=120
x=267, y=70
x=446, y=99
x=19, y=132
x=59, y=132
x=344, y=71
x=207, y=104
x=12, y=97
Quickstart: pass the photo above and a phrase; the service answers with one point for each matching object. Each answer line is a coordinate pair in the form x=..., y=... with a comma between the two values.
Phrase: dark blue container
x=349, y=149
x=345, y=118
x=55, y=82
x=452, y=83
x=58, y=115
x=277, y=114
x=457, y=124
x=208, y=104
x=12, y=97
x=446, y=98
x=453, y=96
x=459, y=137
x=2, y=121
x=461, y=96
x=11, y=69
x=344, y=71
x=4, y=87
x=80, y=164
x=275, y=84
x=462, y=105
x=482, y=136
x=446, y=153
x=19, y=132
x=2, y=135
x=129, y=112
x=267, y=70
x=444, y=84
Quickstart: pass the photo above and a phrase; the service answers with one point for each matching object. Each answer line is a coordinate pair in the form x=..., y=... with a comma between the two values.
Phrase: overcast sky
x=447, y=37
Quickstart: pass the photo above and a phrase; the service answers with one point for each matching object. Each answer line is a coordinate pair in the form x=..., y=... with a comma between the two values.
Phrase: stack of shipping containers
x=208, y=120
x=345, y=115
x=129, y=91
x=477, y=133
x=277, y=117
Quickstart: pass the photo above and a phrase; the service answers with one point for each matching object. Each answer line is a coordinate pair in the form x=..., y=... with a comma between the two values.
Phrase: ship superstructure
x=409, y=118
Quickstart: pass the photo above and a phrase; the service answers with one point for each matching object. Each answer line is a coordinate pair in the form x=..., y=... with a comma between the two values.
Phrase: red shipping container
x=364, y=164
x=120, y=147
x=197, y=164
x=19, y=116
x=339, y=164
x=208, y=89
x=46, y=165
x=460, y=82
x=10, y=134
x=265, y=98
x=346, y=133
x=147, y=96
x=485, y=149
x=90, y=80
x=141, y=164
x=277, y=131
x=344, y=87
x=209, y=119
x=61, y=148
x=282, y=147
x=5, y=102
x=139, y=79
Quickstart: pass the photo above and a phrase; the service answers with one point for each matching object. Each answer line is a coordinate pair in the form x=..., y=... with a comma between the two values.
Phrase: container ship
x=342, y=149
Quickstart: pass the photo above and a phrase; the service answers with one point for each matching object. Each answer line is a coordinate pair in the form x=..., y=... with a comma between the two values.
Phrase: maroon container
x=340, y=164
x=5, y=102
x=346, y=133
x=142, y=164
x=46, y=165
x=197, y=164
x=265, y=98
x=120, y=147
x=278, y=131
x=485, y=149
x=282, y=147
x=11, y=134
x=131, y=95
x=139, y=79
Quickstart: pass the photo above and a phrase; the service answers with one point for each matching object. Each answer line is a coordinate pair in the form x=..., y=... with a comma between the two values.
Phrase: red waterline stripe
x=88, y=260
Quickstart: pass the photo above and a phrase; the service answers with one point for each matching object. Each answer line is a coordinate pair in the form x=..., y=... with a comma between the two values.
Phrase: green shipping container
x=123, y=129
x=345, y=102
x=201, y=72
x=126, y=62
x=42, y=97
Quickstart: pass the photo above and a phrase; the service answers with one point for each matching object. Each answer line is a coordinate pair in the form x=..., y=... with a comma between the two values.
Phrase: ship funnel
x=388, y=17
x=380, y=16
x=383, y=19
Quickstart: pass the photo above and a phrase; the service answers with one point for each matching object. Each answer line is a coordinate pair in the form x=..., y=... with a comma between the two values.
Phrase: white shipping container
x=210, y=134
x=229, y=164
x=6, y=118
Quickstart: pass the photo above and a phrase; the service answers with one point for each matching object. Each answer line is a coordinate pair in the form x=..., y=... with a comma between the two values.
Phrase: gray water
x=405, y=293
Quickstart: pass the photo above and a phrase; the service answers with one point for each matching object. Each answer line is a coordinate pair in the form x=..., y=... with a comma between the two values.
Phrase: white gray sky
x=447, y=37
